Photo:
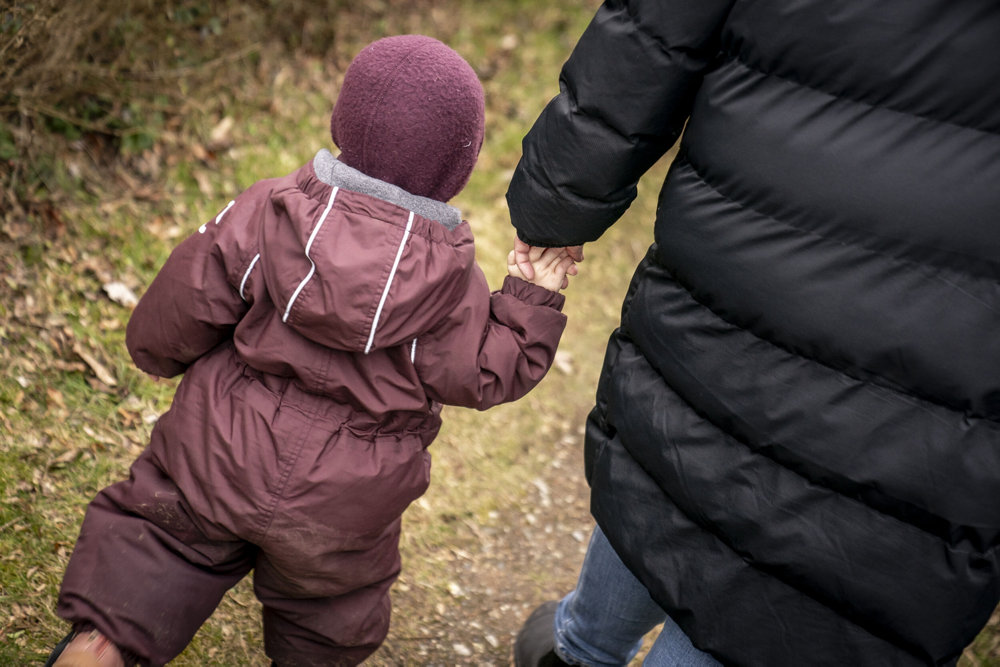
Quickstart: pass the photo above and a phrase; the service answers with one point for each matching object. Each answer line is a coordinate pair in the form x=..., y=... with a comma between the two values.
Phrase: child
x=320, y=321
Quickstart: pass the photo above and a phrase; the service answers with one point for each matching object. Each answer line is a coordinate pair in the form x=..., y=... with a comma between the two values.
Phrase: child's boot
x=89, y=648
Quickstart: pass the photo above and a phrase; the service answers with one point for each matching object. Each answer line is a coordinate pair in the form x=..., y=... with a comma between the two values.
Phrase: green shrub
x=122, y=69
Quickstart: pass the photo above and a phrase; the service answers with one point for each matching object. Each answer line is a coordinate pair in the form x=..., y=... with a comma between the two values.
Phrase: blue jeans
x=603, y=621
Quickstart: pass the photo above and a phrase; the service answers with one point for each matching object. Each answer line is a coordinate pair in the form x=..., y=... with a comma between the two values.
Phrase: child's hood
x=357, y=264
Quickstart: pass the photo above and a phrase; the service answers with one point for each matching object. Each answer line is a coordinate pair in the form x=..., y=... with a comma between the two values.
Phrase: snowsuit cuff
x=532, y=294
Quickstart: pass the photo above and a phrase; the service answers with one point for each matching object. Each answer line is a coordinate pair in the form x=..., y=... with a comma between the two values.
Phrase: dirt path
x=501, y=571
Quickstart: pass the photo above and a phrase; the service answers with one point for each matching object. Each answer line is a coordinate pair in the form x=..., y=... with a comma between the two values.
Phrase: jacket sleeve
x=625, y=94
x=193, y=304
x=492, y=348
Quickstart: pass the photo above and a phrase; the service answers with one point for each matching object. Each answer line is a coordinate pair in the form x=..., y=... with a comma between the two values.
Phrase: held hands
x=546, y=267
x=522, y=254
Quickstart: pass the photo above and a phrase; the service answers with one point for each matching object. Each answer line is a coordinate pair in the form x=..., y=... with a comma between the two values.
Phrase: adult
x=795, y=449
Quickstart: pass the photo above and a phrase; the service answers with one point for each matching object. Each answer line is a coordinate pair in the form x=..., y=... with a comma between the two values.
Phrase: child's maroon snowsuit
x=319, y=330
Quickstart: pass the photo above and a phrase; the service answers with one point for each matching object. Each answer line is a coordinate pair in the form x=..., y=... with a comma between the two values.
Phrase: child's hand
x=552, y=267
x=524, y=254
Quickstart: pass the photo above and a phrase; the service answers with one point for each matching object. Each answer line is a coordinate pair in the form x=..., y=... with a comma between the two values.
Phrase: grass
x=74, y=412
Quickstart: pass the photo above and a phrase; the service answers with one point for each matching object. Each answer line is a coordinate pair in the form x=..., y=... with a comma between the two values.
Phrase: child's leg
x=320, y=631
x=327, y=611
x=142, y=571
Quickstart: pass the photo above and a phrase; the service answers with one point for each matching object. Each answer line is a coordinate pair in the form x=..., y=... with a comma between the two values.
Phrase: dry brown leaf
x=56, y=397
x=96, y=265
x=97, y=385
x=63, y=459
x=204, y=183
x=67, y=366
x=200, y=152
x=222, y=134
x=102, y=373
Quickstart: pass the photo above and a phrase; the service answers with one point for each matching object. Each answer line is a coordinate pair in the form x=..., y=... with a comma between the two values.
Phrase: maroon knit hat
x=411, y=113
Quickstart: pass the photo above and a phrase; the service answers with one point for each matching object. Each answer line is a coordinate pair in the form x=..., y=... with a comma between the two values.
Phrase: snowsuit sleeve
x=491, y=350
x=625, y=94
x=194, y=302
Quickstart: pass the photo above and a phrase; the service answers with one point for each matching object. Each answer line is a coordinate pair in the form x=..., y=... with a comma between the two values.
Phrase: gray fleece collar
x=333, y=172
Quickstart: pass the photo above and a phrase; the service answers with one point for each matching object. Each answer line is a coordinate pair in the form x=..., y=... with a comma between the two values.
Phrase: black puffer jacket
x=796, y=443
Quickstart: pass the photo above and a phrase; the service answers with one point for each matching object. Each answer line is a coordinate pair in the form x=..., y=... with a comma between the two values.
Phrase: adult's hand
x=524, y=254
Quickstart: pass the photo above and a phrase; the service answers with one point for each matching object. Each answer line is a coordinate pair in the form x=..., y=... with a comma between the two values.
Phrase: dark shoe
x=86, y=649
x=535, y=645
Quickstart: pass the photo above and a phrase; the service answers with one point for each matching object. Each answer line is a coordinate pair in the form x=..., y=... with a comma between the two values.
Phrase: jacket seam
x=388, y=283
x=685, y=158
x=689, y=53
x=277, y=495
x=992, y=425
x=705, y=523
x=773, y=573
x=246, y=274
x=876, y=378
x=218, y=218
x=313, y=236
x=739, y=59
